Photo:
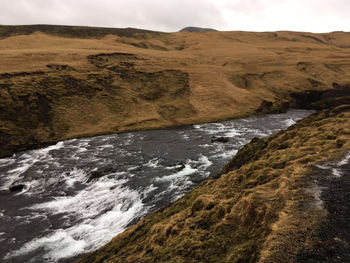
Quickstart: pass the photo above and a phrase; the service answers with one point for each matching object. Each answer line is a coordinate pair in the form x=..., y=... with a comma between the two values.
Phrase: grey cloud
x=165, y=15
x=171, y=15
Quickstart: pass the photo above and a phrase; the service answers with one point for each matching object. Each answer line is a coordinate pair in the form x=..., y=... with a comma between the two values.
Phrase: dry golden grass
x=170, y=79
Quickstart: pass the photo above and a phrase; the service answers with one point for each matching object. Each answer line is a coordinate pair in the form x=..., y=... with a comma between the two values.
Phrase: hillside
x=270, y=204
x=61, y=82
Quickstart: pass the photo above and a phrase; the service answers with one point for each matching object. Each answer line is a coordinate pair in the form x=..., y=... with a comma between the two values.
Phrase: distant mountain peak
x=197, y=29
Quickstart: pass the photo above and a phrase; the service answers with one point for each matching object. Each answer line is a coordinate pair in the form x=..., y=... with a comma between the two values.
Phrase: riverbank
x=58, y=83
x=261, y=209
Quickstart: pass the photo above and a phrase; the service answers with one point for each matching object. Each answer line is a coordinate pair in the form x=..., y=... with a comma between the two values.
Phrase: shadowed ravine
x=73, y=197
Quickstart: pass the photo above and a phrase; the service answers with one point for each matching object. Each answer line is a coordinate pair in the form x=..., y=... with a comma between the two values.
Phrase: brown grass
x=55, y=86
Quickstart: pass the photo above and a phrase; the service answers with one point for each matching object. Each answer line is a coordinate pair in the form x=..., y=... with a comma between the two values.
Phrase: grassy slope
x=262, y=209
x=75, y=81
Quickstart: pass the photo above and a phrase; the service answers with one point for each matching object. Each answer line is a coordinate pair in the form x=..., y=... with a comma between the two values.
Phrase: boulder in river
x=17, y=188
x=220, y=139
x=95, y=175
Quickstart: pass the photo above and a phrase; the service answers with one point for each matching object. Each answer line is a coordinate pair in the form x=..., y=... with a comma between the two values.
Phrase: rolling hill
x=60, y=82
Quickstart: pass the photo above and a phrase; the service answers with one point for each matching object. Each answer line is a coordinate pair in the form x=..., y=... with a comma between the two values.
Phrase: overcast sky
x=172, y=15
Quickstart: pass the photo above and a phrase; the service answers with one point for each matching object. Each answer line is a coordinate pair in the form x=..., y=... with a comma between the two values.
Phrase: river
x=64, y=200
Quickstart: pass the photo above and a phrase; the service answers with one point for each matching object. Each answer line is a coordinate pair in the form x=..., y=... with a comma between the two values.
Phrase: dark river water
x=75, y=196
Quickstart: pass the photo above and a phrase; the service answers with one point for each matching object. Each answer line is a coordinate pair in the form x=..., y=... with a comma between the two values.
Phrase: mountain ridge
x=197, y=29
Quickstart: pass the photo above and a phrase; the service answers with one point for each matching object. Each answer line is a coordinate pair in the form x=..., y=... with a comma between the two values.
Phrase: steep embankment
x=60, y=82
x=265, y=206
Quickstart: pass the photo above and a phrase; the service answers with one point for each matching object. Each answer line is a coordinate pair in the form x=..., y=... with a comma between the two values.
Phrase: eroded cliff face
x=38, y=108
x=60, y=82
x=263, y=207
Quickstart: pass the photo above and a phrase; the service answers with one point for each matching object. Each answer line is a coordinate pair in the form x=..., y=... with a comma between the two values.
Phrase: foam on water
x=232, y=133
x=204, y=162
x=98, y=219
x=106, y=146
x=6, y=161
x=173, y=167
x=206, y=145
x=226, y=154
x=175, y=188
x=74, y=176
x=289, y=122
x=181, y=180
x=149, y=189
x=153, y=163
x=187, y=170
x=345, y=160
x=336, y=172
x=25, y=162
x=190, y=167
x=90, y=201
x=1, y=236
